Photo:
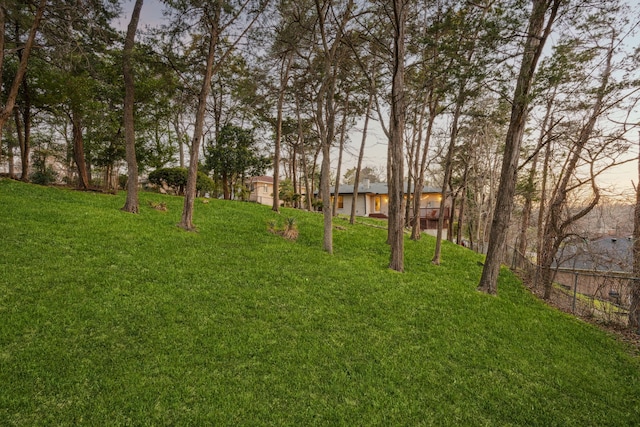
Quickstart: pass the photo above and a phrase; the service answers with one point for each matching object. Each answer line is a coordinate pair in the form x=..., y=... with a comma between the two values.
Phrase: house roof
x=378, y=188
x=262, y=178
x=610, y=253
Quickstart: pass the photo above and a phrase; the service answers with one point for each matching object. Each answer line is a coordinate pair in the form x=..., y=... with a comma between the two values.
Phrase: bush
x=122, y=181
x=204, y=184
x=44, y=177
x=176, y=178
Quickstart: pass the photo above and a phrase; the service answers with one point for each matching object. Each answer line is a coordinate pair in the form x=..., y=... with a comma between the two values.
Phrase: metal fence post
x=575, y=291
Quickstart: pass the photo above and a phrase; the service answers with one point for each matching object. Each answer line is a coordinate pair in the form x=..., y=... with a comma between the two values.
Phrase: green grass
x=108, y=318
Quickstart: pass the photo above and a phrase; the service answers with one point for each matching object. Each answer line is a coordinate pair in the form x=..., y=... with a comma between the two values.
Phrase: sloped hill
x=109, y=318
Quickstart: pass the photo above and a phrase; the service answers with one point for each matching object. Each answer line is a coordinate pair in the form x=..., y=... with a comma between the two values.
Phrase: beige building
x=261, y=190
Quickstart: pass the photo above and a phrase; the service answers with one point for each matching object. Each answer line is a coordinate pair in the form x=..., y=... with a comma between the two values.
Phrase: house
x=261, y=190
x=373, y=201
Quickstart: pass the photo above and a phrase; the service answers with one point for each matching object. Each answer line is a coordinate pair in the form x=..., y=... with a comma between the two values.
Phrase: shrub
x=46, y=176
x=204, y=184
x=289, y=231
x=122, y=181
x=176, y=178
x=43, y=174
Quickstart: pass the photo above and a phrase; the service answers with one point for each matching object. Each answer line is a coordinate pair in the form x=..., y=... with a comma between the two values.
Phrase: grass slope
x=108, y=318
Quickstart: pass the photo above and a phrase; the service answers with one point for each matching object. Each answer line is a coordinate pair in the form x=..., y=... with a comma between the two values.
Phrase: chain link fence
x=602, y=295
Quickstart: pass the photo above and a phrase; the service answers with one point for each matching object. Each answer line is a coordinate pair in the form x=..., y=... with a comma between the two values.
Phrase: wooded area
x=514, y=108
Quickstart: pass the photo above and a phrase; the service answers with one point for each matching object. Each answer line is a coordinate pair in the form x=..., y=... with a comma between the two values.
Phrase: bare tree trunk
x=212, y=12
x=307, y=186
x=463, y=201
x=452, y=215
x=131, y=204
x=537, y=34
x=186, y=221
x=542, y=206
x=526, y=209
x=284, y=78
x=634, y=309
x=20, y=137
x=25, y=141
x=176, y=126
x=343, y=133
x=396, y=144
x=356, y=183
x=325, y=105
x=528, y=204
x=448, y=170
x=78, y=151
x=421, y=164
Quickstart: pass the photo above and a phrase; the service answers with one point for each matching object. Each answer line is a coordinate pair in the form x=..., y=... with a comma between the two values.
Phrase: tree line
x=513, y=108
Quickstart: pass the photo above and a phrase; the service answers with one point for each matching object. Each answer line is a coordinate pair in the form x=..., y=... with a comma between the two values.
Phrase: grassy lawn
x=108, y=318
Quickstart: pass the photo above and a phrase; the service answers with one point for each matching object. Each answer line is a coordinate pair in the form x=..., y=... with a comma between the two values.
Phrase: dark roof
x=604, y=254
x=377, y=188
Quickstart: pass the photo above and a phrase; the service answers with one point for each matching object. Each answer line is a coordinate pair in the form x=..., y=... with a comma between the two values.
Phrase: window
x=340, y=202
x=265, y=189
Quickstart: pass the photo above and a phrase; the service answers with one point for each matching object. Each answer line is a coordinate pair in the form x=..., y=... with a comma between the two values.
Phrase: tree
x=10, y=100
x=359, y=172
x=329, y=18
x=368, y=172
x=215, y=19
x=587, y=132
x=78, y=82
x=131, y=204
x=537, y=32
x=634, y=308
x=469, y=58
x=234, y=157
x=284, y=46
x=396, y=141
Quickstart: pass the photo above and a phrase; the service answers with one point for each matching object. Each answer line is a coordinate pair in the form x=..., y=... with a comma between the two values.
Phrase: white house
x=373, y=200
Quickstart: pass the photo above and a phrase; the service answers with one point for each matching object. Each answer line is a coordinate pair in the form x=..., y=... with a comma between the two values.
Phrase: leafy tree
x=537, y=32
x=288, y=193
x=233, y=157
x=176, y=178
x=368, y=172
x=215, y=25
x=587, y=132
x=24, y=51
x=332, y=20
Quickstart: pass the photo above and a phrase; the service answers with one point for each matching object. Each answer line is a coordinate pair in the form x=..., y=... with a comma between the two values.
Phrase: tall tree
x=634, y=309
x=10, y=100
x=537, y=32
x=330, y=17
x=131, y=204
x=396, y=141
x=215, y=18
x=589, y=142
